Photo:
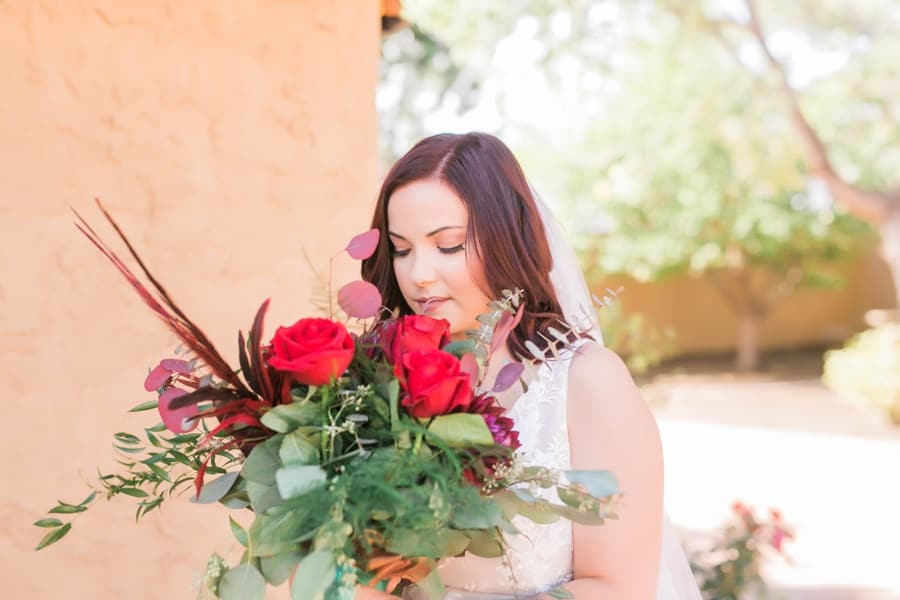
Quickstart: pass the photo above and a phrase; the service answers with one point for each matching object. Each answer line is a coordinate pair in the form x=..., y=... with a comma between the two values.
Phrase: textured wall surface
x=227, y=137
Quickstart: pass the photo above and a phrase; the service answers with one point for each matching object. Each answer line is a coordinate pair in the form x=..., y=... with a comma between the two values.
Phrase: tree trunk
x=748, y=352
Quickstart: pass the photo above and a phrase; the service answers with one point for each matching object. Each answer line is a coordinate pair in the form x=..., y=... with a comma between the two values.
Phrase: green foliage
x=867, y=369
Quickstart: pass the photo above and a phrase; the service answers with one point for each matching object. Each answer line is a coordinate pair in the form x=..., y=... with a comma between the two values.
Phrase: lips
x=430, y=303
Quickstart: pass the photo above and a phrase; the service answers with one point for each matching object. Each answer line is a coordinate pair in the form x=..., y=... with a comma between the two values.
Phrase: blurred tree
x=707, y=180
x=848, y=116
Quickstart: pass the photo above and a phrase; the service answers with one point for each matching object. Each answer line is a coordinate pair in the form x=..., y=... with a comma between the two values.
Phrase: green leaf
x=276, y=569
x=460, y=347
x=560, y=593
x=432, y=544
x=477, y=513
x=133, y=492
x=484, y=543
x=240, y=534
x=158, y=471
x=432, y=585
x=127, y=438
x=64, y=509
x=287, y=417
x=315, y=573
x=393, y=390
x=297, y=449
x=216, y=489
x=243, y=582
x=263, y=461
x=462, y=430
x=295, y=480
x=262, y=497
x=148, y=405
x=599, y=484
x=48, y=522
x=54, y=536
x=90, y=498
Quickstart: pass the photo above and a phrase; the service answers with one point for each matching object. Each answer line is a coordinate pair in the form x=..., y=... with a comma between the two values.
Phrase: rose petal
x=362, y=246
x=360, y=299
x=157, y=378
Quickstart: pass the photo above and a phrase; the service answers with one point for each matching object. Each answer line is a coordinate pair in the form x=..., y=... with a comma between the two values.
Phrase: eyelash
x=453, y=250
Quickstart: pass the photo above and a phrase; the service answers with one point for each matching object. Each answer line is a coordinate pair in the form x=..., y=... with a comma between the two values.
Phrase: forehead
x=425, y=205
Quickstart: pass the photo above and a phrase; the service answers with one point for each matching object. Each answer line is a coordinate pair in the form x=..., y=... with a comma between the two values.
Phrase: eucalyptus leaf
x=287, y=417
x=461, y=430
x=263, y=461
x=459, y=348
x=477, y=513
x=243, y=582
x=217, y=488
x=430, y=543
x=262, y=497
x=484, y=543
x=599, y=484
x=315, y=573
x=240, y=534
x=276, y=569
x=295, y=480
x=297, y=449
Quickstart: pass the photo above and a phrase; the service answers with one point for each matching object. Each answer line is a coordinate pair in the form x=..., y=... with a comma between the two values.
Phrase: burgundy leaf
x=177, y=420
x=257, y=364
x=244, y=361
x=224, y=395
x=507, y=376
x=360, y=299
x=157, y=378
x=504, y=327
x=362, y=246
x=177, y=365
x=468, y=364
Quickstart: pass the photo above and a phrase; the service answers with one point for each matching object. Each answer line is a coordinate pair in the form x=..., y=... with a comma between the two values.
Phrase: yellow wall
x=224, y=136
x=704, y=322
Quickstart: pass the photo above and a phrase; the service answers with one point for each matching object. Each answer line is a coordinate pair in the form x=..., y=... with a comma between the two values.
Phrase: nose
x=422, y=271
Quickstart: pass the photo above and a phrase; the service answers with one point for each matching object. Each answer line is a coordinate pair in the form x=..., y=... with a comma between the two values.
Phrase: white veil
x=676, y=581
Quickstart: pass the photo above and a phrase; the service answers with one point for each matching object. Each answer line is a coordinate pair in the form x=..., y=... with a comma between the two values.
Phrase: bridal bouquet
x=364, y=457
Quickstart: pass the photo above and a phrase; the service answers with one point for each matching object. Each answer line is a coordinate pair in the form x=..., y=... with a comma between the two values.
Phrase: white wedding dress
x=540, y=558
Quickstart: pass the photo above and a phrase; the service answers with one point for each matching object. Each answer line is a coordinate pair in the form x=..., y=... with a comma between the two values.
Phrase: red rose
x=414, y=332
x=312, y=350
x=433, y=383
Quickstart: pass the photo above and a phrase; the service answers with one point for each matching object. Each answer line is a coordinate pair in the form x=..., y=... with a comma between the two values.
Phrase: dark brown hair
x=503, y=218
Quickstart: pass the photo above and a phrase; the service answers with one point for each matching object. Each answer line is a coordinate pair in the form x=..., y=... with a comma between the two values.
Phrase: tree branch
x=871, y=206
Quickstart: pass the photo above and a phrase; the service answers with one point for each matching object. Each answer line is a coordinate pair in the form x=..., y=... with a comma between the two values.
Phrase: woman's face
x=438, y=274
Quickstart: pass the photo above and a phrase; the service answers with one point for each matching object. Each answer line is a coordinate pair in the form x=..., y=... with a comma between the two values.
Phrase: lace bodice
x=540, y=556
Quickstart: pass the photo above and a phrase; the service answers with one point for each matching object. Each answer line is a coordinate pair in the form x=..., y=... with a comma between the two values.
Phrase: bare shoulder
x=599, y=380
x=605, y=408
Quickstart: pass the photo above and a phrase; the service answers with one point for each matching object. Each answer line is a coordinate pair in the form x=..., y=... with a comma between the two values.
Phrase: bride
x=460, y=223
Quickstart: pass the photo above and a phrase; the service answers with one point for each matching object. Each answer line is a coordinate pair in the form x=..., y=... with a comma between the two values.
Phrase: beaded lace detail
x=539, y=557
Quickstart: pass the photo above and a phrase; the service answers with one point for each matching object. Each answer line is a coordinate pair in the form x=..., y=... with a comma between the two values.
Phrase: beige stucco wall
x=225, y=136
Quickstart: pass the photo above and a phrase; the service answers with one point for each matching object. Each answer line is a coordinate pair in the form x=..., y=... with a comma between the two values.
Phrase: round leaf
x=360, y=299
x=362, y=246
x=243, y=582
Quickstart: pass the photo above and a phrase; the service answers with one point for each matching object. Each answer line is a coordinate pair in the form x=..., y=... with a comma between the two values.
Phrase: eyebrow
x=435, y=232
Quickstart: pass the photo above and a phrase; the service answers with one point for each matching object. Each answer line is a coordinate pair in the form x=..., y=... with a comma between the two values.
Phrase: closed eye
x=453, y=250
